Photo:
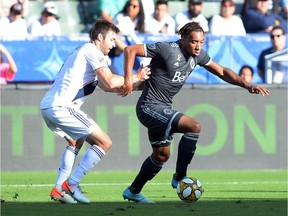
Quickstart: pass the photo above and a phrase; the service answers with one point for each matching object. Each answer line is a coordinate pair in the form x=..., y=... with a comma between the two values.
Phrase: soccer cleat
x=75, y=192
x=61, y=196
x=139, y=198
x=174, y=183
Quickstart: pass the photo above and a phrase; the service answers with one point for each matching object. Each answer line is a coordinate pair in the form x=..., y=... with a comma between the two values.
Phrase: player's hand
x=143, y=73
x=126, y=88
x=253, y=89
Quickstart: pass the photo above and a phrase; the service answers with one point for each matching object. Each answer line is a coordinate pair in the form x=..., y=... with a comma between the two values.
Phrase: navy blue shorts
x=161, y=122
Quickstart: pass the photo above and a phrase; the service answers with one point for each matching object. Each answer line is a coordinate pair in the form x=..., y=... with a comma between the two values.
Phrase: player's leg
x=159, y=121
x=67, y=161
x=187, y=146
x=66, y=164
x=151, y=166
x=149, y=169
x=79, y=126
x=100, y=143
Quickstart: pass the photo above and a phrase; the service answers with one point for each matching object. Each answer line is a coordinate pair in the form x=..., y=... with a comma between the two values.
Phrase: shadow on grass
x=245, y=207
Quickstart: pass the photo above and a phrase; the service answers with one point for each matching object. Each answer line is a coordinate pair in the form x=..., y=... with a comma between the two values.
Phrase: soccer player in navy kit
x=171, y=64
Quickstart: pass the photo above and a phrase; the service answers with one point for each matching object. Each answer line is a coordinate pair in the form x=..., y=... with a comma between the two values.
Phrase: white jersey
x=166, y=25
x=232, y=26
x=52, y=28
x=182, y=17
x=76, y=78
x=16, y=28
x=124, y=23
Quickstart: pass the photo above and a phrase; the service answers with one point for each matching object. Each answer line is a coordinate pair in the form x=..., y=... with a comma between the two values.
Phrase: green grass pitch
x=227, y=193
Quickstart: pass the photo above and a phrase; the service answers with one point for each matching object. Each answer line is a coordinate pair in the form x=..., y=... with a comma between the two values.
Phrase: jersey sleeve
x=203, y=59
x=157, y=50
x=95, y=58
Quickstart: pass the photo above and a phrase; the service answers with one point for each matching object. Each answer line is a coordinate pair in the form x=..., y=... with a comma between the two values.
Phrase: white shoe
x=75, y=192
x=61, y=196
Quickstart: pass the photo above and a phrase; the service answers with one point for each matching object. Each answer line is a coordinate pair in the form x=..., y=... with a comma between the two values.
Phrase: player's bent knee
x=107, y=145
x=196, y=127
x=162, y=158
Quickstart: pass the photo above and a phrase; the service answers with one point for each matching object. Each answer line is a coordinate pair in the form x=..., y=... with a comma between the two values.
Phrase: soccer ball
x=189, y=189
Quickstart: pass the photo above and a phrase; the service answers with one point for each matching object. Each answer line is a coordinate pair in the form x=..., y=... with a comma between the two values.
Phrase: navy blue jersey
x=169, y=70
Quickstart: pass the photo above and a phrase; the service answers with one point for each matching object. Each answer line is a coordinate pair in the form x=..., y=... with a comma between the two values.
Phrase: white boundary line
x=151, y=183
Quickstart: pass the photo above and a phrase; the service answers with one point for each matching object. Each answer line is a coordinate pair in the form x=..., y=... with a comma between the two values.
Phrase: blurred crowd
x=149, y=16
x=153, y=17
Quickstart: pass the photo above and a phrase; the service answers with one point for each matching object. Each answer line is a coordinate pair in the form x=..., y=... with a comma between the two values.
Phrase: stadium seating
x=210, y=7
x=71, y=14
x=75, y=16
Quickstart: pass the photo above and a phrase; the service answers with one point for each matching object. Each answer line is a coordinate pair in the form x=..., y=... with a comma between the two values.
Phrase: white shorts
x=69, y=122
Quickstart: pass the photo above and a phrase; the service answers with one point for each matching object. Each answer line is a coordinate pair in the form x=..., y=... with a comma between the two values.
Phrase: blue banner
x=39, y=59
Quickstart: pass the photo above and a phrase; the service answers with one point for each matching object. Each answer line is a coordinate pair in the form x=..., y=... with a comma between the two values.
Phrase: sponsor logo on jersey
x=179, y=57
x=174, y=45
x=167, y=111
x=192, y=63
x=102, y=60
x=178, y=77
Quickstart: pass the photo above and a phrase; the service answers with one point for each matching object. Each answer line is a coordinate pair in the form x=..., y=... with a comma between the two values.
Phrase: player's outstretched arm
x=231, y=77
x=130, y=52
x=254, y=89
x=110, y=82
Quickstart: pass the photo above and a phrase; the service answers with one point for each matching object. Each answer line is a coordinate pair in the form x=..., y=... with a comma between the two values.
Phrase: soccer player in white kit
x=85, y=67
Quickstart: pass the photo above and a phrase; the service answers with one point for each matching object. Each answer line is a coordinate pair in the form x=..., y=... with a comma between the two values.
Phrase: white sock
x=92, y=156
x=67, y=161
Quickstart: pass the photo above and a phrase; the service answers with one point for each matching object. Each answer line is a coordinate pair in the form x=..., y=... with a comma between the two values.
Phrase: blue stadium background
x=39, y=59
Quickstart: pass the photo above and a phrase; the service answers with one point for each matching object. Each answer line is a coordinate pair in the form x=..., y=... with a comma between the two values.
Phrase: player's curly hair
x=190, y=27
x=102, y=26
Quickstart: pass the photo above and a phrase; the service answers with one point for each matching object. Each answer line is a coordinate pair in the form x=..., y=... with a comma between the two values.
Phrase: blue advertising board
x=39, y=59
